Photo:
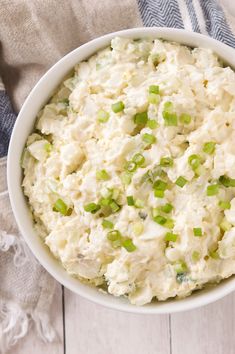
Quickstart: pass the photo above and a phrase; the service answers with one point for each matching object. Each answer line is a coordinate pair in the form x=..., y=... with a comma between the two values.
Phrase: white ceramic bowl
x=24, y=126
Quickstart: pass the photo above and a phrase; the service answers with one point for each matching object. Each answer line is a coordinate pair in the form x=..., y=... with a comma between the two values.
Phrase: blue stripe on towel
x=7, y=120
x=160, y=13
x=216, y=24
x=193, y=16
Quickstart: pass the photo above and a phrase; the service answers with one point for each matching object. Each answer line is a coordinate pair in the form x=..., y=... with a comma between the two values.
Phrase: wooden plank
x=94, y=329
x=31, y=343
x=206, y=330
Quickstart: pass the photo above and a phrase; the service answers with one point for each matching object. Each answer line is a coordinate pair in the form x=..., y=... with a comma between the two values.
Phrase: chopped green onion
x=138, y=159
x=102, y=116
x=47, y=147
x=130, y=200
x=166, y=162
x=212, y=190
x=118, y=107
x=152, y=124
x=153, y=89
x=181, y=181
x=92, y=208
x=209, y=147
x=131, y=166
x=114, y=206
x=167, y=208
x=155, y=212
x=141, y=118
x=181, y=267
x=115, y=193
x=128, y=245
x=117, y=243
x=138, y=228
x=160, y=185
x=126, y=178
x=61, y=207
x=169, y=224
x=168, y=106
x=195, y=256
x=170, y=237
x=170, y=119
x=149, y=138
x=214, y=254
x=227, y=181
x=153, y=98
x=161, y=220
x=102, y=175
x=224, y=205
x=158, y=193
x=139, y=203
x=114, y=235
x=107, y=224
x=185, y=118
x=105, y=201
x=197, y=231
x=194, y=161
x=225, y=225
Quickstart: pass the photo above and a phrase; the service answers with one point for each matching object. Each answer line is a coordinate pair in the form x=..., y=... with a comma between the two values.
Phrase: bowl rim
x=17, y=199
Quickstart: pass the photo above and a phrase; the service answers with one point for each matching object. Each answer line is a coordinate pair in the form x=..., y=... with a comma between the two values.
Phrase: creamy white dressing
x=71, y=146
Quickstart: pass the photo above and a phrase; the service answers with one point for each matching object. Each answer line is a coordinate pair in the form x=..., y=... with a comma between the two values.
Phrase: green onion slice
x=209, y=147
x=185, y=118
x=107, y=224
x=181, y=181
x=128, y=244
x=154, y=89
x=158, y=193
x=167, y=208
x=160, y=185
x=102, y=175
x=212, y=190
x=170, y=119
x=130, y=200
x=153, y=98
x=152, y=124
x=224, y=205
x=166, y=162
x=102, y=116
x=149, y=138
x=197, y=231
x=141, y=118
x=159, y=219
x=194, y=161
x=138, y=159
x=118, y=107
x=131, y=166
x=92, y=208
x=227, y=181
x=114, y=206
x=61, y=207
x=114, y=235
x=170, y=237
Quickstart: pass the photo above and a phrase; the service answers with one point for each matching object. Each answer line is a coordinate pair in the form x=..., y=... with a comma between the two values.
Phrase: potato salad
x=130, y=172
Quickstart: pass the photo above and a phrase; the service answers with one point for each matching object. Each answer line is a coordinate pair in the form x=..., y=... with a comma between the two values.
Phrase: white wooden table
x=87, y=328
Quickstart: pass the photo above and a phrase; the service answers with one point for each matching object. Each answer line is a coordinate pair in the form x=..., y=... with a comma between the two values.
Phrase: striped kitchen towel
x=33, y=36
